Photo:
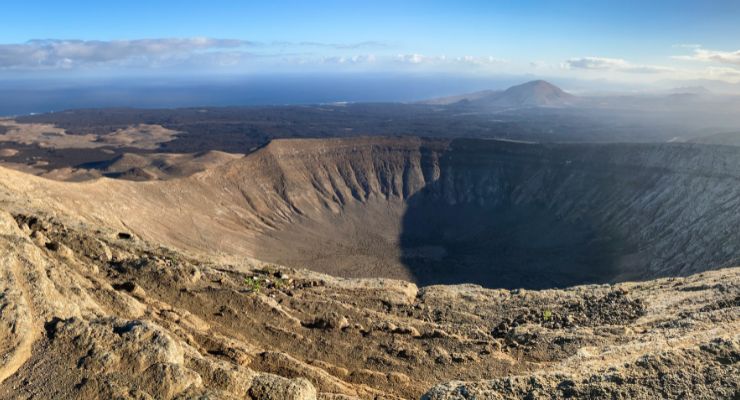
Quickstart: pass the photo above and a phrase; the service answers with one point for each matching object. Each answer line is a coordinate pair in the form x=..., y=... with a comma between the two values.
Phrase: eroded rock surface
x=100, y=316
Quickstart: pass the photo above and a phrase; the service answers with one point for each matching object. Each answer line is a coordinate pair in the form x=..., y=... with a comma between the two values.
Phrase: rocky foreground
x=89, y=312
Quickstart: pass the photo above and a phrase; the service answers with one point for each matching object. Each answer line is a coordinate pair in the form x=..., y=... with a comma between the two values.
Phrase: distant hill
x=718, y=87
x=534, y=94
x=531, y=94
x=443, y=101
x=697, y=90
x=724, y=138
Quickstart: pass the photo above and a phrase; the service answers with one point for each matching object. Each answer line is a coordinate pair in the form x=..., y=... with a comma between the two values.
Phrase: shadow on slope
x=508, y=246
x=486, y=220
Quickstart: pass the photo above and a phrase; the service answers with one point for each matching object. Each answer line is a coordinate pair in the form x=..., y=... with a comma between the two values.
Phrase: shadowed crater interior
x=475, y=224
x=538, y=216
x=506, y=245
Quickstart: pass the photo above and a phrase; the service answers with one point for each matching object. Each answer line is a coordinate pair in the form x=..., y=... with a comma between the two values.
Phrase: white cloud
x=539, y=65
x=412, y=58
x=61, y=54
x=356, y=59
x=595, y=63
x=484, y=60
x=723, y=73
x=342, y=46
x=687, y=45
x=613, y=64
x=420, y=59
x=704, y=55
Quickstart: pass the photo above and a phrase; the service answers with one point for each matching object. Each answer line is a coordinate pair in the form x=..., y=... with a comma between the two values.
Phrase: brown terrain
x=375, y=268
x=128, y=153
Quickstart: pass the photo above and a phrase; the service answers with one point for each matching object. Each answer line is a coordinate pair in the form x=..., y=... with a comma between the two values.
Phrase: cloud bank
x=704, y=55
x=202, y=55
x=420, y=59
x=613, y=64
x=55, y=54
x=61, y=54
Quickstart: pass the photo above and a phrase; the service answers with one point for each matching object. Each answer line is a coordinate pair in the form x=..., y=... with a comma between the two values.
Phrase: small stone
x=131, y=287
x=331, y=321
x=399, y=378
x=407, y=330
x=273, y=387
x=125, y=236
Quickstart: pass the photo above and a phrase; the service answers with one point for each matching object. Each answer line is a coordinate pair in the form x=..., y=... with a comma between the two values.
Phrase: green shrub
x=253, y=284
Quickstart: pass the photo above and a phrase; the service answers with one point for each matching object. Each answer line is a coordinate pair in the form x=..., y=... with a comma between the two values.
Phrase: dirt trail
x=16, y=345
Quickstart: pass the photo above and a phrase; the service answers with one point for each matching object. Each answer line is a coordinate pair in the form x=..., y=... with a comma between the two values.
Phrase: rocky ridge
x=433, y=211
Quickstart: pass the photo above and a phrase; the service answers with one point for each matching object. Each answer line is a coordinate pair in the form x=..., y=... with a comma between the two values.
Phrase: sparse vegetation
x=279, y=283
x=253, y=283
x=257, y=283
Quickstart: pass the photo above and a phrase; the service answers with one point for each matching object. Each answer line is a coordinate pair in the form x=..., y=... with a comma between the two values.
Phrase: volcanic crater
x=503, y=214
x=497, y=213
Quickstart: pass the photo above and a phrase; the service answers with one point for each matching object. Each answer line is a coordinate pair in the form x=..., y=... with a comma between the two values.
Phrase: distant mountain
x=531, y=94
x=724, y=138
x=716, y=87
x=534, y=94
x=443, y=101
x=696, y=90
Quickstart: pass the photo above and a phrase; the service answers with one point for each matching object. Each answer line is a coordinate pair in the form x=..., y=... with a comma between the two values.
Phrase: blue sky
x=624, y=41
